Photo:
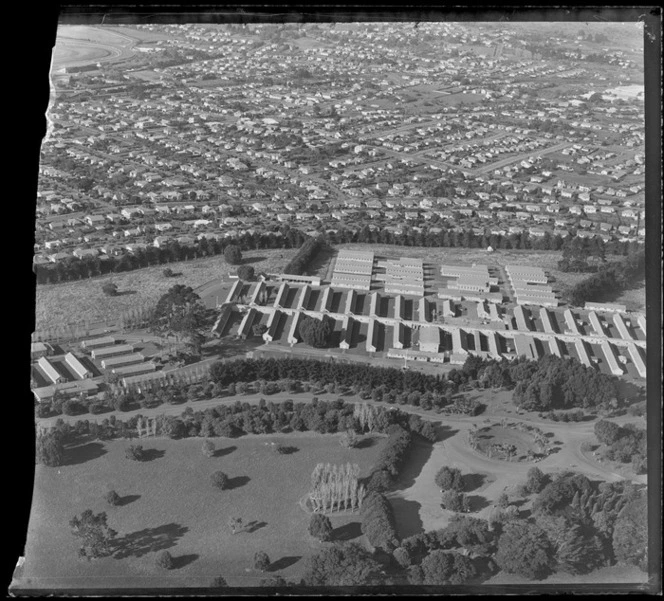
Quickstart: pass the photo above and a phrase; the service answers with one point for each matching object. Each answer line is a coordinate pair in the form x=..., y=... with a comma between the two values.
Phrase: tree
x=168, y=272
x=503, y=500
x=261, y=561
x=454, y=501
x=246, y=272
x=110, y=289
x=349, y=439
x=113, y=498
x=50, y=450
x=346, y=564
x=233, y=254
x=164, y=560
x=449, y=479
x=608, y=432
x=95, y=534
x=630, y=534
x=524, y=549
x=320, y=527
x=208, y=448
x=220, y=480
x=536, y=480
x=218, y=582
x=135, y=452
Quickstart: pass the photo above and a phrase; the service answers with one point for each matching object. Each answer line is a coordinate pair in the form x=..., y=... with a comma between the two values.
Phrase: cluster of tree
x=96, y=536
x=179, y=310
x=626, y=443
x=589, y=524
x=557, y=383
x=343, y=564
x=422, y=554
x=309, y=249
x=378, y=522
x=336, y=488
x=611, y=278
x=577, y=252
x=317, y=332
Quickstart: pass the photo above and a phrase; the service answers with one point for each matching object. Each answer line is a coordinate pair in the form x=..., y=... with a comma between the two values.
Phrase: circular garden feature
x=510, y=441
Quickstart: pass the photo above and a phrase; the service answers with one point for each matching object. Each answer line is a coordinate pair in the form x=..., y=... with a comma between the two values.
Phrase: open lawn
x=169, y=503
x=83, y=301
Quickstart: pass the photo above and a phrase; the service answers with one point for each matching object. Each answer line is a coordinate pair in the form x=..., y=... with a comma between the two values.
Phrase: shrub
x=349, y=439
x=536, y=480
x=261, y=561
x=135, y=452
x=218, y=582
x=246, y=272
x=220, y=480
x=168, y=272
x=112, y=498
x=110, y=289
x=320, y=527
x=164, y=560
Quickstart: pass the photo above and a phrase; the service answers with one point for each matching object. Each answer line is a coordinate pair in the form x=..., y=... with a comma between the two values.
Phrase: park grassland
x=170, y=503
x=83, y=300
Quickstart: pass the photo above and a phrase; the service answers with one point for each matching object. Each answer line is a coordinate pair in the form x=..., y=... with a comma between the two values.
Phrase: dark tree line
x=230, y=421
x=75, y=269
x=378, y=522
x=301, y=261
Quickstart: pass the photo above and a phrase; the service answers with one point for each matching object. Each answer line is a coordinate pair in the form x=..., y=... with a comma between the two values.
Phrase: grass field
x=83, y=300
x=170, y=503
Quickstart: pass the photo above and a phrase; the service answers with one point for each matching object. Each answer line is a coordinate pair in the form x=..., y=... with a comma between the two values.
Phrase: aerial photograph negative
x=330, y=304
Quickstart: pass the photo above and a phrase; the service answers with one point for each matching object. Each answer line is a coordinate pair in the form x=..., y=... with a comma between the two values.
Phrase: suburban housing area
x=341, y=304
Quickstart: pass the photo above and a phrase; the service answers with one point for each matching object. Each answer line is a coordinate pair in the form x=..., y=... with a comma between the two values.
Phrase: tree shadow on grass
x=224, y=451
x=253, y=526
x=125, y=293
x=417, y=458
x=477, y=502
x=347, y=531
x=287, y=450
x=127, y=499
x=85, y=452
x=472, y=481
x=148, y=540
x=184, y=560
x=283, y=563
x=443, y=432
x=366, y=442
x=250, y=260
x=407, y=516
x=152, y=454
x=237, y=482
